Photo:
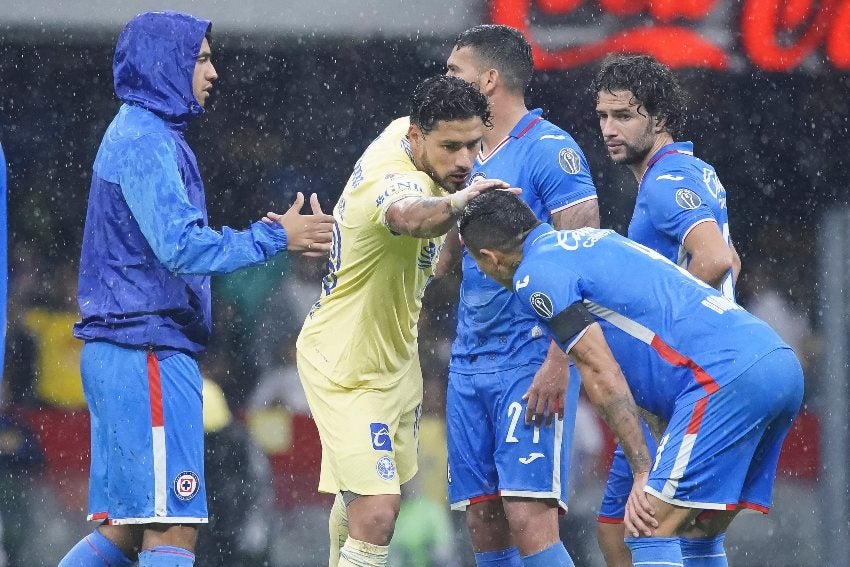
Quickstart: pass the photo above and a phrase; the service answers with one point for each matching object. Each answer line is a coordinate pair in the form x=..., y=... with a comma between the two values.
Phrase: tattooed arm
x=424, y=217
x=609, y=393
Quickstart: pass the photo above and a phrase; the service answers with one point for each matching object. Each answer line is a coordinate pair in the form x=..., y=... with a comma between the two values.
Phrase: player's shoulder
x=545, y=134
x=133, y=122
x=550, y=147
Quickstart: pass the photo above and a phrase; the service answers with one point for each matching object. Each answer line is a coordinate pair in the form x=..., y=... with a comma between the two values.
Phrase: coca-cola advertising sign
x=716, y=34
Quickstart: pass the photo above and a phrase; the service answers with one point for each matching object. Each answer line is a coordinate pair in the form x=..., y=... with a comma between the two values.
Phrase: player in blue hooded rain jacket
x=144, y=295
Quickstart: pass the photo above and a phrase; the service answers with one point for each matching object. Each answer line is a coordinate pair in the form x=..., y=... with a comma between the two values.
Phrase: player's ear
x=415, y=134
x=490, y=79
x=660, y=123
x=492, y=258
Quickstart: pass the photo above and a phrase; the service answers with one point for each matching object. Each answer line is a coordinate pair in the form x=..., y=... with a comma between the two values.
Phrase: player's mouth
x=459, y=177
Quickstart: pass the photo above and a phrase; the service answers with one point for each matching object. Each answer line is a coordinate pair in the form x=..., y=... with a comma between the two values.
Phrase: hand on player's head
x=480, y=185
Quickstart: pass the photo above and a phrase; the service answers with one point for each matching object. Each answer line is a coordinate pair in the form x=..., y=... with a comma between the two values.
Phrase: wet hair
x=446, y=98
x=653, y=85
x=502, y=48
x=496, y=220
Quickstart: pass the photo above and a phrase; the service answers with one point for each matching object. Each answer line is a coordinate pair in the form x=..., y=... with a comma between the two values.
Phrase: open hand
x=310, y=234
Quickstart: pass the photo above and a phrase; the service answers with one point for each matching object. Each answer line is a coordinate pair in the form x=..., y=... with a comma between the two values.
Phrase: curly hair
x=446, y=98
x=652, y=85
x=503, y=48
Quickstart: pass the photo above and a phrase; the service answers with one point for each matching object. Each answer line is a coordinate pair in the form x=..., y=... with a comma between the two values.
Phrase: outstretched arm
x=424, y=217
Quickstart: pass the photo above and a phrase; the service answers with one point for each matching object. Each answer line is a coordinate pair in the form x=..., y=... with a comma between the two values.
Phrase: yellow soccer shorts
x=369, y=436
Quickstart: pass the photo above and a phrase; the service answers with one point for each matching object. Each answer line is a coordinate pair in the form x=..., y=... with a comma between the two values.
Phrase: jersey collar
x=521, y=128
x=674, y=148
x=526, y=122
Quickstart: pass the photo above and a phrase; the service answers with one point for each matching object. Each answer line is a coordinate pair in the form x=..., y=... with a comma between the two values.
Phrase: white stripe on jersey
x=622, y=322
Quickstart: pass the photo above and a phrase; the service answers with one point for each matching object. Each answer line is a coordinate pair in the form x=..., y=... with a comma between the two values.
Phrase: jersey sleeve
x=547, y=290
x=561, y=173
x=174, y=228
x=396, y=188
x=675, y=203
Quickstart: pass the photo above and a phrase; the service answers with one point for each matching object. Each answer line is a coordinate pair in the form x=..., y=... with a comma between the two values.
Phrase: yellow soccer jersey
x=362, y=332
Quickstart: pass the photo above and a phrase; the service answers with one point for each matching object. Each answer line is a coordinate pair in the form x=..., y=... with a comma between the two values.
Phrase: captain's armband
x=570, y=322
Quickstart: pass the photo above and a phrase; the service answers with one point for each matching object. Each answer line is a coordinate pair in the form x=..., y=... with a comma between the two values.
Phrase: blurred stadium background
x=303, y=88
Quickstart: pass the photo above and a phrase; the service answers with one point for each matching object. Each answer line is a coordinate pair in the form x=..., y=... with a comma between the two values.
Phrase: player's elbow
x=400, y=223
x=712, y=269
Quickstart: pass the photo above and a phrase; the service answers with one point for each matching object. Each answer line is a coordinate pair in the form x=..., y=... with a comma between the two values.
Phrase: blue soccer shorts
x=721, y=452
x=147, y=436
x=612, y=510
x=492, y=452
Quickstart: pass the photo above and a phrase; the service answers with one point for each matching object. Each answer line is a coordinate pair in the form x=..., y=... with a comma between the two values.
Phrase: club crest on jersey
x=687, y=199
x=475, y=177
x=542, y=305
x=569, y=161
x=186, y=485
x=385, y=468
x=381, y=440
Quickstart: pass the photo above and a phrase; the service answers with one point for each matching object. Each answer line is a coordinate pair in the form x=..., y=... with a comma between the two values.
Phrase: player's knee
x=485, y=515
x=531, y=515
x=372, y=518
x=488, y=526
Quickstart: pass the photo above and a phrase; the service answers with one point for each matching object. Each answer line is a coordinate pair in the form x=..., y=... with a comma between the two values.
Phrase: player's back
x=673, y=335
x=543, y=160
x=363, y=328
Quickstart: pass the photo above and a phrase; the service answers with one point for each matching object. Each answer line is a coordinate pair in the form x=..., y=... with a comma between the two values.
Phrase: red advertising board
x=769, y=34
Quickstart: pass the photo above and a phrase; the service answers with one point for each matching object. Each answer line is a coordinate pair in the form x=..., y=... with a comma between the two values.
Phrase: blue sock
x=502, y=558
x=166, y=556
x=555, y=555
x=704, y=552
x=94, y=550
x=655, y=551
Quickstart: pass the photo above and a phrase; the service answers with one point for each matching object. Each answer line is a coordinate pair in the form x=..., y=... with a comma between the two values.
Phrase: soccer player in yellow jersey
x=357, y=352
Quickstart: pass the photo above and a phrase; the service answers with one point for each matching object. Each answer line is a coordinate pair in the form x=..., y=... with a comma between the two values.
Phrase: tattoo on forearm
x=618, y=413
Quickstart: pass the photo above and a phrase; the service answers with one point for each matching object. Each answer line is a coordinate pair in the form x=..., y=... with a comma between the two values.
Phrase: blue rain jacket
x=147, y=249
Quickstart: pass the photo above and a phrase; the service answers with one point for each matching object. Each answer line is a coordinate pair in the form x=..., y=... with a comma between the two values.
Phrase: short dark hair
x=446, y=98
x=653, y=85
x=496, y=220
x=502, y=48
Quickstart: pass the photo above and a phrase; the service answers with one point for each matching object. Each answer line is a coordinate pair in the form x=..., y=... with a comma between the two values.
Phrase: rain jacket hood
x=148, y=250
x=154, y=63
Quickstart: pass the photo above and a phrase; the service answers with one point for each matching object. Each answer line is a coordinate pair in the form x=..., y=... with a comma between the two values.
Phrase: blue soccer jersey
x=725, y=382
x=677, y=192
x=676, y=338
x=493, y=332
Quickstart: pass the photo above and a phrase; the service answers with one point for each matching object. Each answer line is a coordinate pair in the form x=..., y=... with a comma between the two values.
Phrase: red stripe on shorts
x=697, y=415
x=155, y=388
x=485, y=498
x=702, y=377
